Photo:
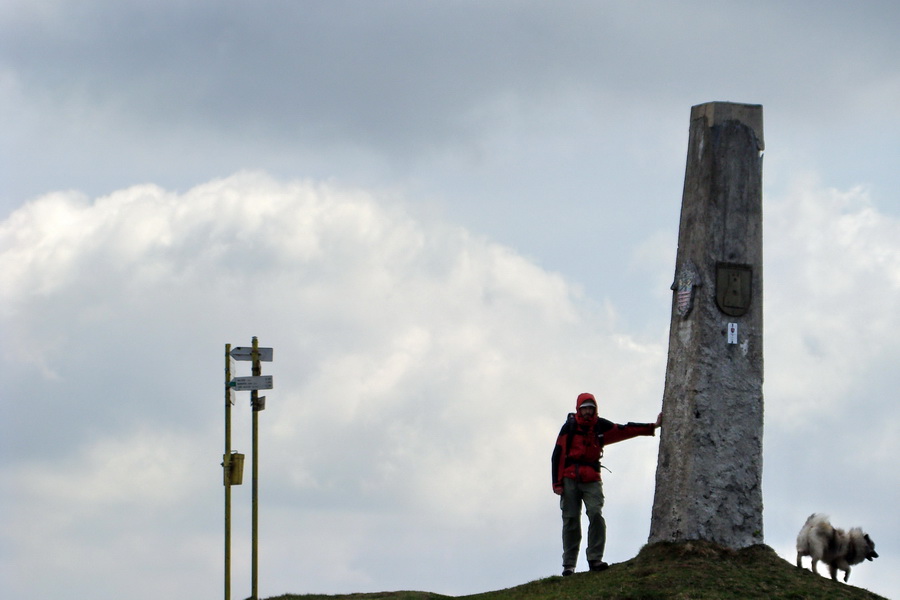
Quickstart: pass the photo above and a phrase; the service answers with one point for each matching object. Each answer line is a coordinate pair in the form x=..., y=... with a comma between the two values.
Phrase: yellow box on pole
x=236, y=472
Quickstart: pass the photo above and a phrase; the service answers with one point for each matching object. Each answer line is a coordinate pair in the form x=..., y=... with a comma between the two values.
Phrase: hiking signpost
x=233, y=462
x=260, y=382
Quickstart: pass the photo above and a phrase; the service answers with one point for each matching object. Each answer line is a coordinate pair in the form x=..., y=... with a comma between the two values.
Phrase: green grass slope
x=683, y=571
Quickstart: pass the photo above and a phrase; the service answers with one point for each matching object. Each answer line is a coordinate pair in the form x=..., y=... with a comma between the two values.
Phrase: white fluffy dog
x=835, y=547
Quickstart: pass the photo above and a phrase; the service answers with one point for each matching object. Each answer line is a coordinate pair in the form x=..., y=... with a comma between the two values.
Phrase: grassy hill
x=683, y=571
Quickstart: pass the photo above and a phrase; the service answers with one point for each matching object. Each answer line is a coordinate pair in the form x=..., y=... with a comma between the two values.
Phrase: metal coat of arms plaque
x=733, y=287
x=687, y=278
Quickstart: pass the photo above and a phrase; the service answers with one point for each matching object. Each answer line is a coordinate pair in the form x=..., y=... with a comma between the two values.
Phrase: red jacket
x=580, y=444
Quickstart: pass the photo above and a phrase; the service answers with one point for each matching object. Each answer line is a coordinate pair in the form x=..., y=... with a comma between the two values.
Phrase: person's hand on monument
x=658, y=423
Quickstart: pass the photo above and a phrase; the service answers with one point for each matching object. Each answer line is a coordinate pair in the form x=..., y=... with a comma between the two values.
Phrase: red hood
x=582, y=398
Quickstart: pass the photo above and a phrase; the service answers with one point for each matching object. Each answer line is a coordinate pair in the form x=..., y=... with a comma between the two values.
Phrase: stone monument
x=709, y=474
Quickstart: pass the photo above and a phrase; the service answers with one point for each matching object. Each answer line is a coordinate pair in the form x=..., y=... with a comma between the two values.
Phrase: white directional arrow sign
x=257, y=382
x=246, y=353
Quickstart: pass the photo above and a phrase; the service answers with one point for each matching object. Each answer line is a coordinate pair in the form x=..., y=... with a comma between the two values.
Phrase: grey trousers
x=591, y=495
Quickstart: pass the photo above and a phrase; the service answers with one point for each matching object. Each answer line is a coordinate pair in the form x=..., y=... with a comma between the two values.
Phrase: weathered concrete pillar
x=709, y=474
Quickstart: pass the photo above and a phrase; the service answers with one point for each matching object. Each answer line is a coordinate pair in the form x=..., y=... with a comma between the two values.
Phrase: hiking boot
x=599, y=566
x=568, y=571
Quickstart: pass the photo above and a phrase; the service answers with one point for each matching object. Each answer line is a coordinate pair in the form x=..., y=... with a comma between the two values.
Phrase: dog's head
x=870, y=548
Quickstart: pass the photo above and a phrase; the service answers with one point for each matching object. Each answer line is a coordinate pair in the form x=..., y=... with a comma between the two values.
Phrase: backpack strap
x=571, y=426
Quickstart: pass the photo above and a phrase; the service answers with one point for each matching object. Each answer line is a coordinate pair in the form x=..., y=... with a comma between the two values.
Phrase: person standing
x=576, y=477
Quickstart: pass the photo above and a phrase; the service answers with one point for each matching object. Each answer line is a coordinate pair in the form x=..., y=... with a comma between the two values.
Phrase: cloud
x=129, y=502
x=277, y=86
x=421, y=371
x=830, y=313
x=832, y=264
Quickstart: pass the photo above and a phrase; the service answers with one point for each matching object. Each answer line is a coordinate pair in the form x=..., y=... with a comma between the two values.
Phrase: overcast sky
x=448, y=219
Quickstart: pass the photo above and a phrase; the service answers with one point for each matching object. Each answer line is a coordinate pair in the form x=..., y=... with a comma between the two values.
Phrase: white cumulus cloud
x=421, y=372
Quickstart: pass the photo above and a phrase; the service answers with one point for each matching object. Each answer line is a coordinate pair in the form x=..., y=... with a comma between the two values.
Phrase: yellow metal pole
x=254, y=400
x=226, y=466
